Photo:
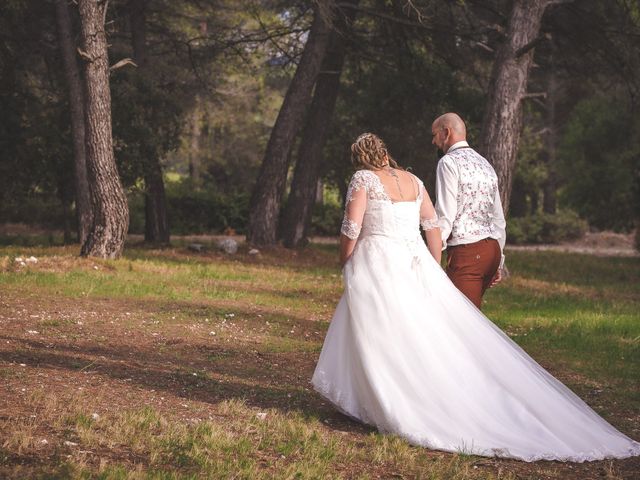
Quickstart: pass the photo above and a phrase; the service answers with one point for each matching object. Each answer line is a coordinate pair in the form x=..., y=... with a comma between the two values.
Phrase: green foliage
x=546, y=228
x=36, y=209
x=531, y=172
x=192, y=211
x=326, y=219
x=147, y=119
x=599, y=154
x=373, y=98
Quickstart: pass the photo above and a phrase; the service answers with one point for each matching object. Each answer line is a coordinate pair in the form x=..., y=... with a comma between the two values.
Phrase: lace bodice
x=369, y=210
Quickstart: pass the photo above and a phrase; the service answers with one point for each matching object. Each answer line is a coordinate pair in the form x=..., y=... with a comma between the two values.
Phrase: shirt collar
x=461, y=143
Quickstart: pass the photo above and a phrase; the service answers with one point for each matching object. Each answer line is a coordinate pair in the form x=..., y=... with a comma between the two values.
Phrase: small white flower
x=261, y=415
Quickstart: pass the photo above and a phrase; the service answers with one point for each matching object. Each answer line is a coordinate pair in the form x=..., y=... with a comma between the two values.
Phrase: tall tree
x=76, y=105
x=549, y=202
x=111, y=213
x=156, y=223
x=297, y=214
x=502, y=122
x=267, y=194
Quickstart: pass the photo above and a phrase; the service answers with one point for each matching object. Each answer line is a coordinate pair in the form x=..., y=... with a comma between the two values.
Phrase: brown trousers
x=471, y=267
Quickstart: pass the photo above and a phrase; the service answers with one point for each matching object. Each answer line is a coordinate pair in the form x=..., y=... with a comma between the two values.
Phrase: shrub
x=546, y=228
x=192, y=211
x=326, y=219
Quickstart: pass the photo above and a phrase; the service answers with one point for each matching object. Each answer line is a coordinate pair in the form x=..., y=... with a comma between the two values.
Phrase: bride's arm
x=355, y=206
x=346, y=248
x=429, y=222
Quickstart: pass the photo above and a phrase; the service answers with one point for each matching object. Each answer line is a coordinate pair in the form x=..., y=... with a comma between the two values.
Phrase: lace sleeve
x=428, y=216
x=429, y=223
x=355, y=206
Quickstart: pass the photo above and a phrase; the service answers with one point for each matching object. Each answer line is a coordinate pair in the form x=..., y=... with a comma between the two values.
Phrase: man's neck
x=456, y=145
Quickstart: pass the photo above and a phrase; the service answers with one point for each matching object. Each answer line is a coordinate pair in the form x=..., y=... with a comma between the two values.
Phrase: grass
x=165, y=364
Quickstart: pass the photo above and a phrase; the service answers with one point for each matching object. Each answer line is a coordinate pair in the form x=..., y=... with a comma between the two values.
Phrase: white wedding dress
x=407, y=353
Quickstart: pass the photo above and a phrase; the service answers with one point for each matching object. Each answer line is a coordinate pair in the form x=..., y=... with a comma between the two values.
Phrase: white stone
x=228, y=245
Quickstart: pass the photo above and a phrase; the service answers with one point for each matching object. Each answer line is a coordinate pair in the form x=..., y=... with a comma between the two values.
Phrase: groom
x=469, y=210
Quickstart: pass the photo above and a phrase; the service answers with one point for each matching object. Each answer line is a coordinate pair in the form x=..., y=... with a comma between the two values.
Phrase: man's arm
x=446, y=196
x=499, y=224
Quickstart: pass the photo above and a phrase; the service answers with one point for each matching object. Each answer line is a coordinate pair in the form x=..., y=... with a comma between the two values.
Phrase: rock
x=228, y=245
x=254, y=251
x=196, y=247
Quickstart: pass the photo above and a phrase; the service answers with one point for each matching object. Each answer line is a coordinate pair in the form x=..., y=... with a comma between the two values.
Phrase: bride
x=407, y=352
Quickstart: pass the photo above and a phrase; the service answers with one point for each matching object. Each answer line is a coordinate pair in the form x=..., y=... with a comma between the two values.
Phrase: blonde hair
x=369, y=152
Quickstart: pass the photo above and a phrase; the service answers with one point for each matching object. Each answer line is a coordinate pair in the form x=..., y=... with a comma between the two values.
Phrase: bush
x=546, y=228
x=35, y=209
x=192, y=211
x=326, y=219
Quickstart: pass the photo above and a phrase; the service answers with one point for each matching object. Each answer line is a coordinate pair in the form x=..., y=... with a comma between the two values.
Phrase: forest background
x=237, y=115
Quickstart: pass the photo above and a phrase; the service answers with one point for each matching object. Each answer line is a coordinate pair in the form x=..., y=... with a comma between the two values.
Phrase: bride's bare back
x=399, y=185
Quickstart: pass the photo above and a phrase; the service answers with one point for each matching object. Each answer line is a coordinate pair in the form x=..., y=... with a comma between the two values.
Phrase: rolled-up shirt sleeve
x=446, y=196
x=499, y=224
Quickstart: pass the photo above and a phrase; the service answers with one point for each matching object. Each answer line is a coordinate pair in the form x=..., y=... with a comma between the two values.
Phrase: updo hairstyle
x=369, y=152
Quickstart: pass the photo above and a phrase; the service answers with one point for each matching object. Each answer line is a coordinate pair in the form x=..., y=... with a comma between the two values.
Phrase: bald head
x=448, y=129
x=454, y=122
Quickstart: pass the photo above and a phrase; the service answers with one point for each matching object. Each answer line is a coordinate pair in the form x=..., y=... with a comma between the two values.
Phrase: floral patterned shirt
x=467, y=198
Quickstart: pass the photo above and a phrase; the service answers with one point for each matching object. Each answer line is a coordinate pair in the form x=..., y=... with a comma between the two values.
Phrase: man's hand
x=497, y=278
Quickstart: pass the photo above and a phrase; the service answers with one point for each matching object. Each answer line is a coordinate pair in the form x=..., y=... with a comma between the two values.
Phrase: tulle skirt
x=407, y=353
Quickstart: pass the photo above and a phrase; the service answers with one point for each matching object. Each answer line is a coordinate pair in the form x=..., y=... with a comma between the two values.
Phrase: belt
x=484, y=240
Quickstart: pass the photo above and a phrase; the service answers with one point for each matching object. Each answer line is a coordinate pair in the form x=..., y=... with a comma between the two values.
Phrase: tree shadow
x=264, y=381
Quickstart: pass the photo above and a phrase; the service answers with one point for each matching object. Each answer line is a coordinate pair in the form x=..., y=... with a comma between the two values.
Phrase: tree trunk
x=502, y=122
x=110, y=210
x=297, y=214
x=270, y=184
x=156, y=227
x=76, y=105
x=549, y=202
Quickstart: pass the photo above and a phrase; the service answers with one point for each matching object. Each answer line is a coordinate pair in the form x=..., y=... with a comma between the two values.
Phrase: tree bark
x=549, y=202
x=111, y=213
x=270, y=184
x=76, y=105
x=297, y=214
x=502, y=122
x=156, y=227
